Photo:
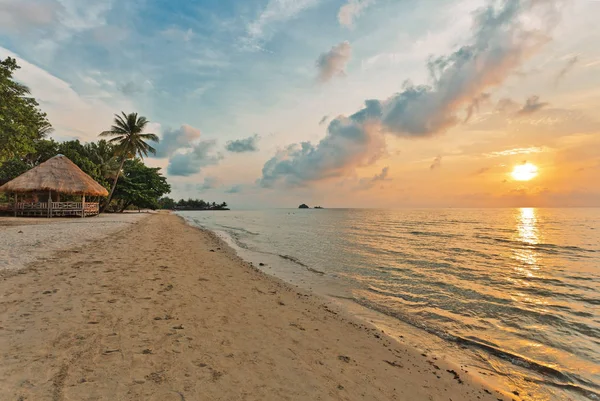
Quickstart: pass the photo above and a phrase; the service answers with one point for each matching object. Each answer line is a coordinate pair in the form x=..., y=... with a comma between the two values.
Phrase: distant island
x=305, y=206
x=191, y=204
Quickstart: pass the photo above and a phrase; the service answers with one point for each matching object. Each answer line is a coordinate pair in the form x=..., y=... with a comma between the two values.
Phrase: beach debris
x=280, y=303
x=180, y=327
x=261, y=264
x=20, y=232
x=340, y=387
x=329, y=310
x=93, y=322
x=147, y=351
x=344, y=358
x=47, y=292
x=111, y=351
x=158, y=318
x=394, y=364
x=310, y=269
x=212, y=250
x=216, y=375
x=296, y=325
x=156, y=377
x=167, y=288
x=456, y=376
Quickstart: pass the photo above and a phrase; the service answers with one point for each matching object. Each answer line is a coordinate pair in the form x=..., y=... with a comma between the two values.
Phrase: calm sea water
x=520, y=288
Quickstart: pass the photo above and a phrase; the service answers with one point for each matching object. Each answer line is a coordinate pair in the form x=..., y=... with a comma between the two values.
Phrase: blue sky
x=273, y=75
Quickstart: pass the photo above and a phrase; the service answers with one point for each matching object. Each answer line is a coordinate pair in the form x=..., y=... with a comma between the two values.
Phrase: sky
x=339, y=103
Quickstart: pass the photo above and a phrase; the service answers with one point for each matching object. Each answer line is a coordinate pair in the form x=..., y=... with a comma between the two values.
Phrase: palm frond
x=150, y=137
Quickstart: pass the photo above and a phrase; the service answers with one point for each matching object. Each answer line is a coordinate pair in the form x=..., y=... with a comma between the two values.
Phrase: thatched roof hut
x=58, y=175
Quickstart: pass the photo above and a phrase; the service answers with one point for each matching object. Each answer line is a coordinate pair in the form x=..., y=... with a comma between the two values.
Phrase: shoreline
x=163, y=310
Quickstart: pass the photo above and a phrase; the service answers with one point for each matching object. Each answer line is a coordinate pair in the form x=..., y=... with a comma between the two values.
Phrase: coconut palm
x=129, y=141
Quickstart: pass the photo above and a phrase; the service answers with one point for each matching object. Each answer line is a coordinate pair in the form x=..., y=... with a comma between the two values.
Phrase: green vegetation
x=129, y=140
x=22, y=123
x=190, y=204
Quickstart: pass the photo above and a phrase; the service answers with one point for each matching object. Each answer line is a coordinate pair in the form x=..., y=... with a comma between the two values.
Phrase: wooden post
x=49, y=203
x=15, y=205
x=83, y=205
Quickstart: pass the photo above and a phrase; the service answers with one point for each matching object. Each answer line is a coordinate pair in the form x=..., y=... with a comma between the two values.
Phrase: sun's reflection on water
x=527, y=225
x=528, y=235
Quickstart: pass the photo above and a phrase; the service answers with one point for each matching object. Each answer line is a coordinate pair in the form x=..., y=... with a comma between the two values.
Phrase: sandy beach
x=153, y=309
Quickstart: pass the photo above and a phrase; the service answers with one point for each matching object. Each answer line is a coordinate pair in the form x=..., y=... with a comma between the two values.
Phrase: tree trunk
x=112, y=190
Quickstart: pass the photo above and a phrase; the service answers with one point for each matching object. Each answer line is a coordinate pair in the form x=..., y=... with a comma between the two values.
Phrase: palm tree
x=130, y=141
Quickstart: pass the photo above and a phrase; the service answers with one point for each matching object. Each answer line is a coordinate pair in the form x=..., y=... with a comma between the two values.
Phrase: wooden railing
x=56, y=208
x=66, y=205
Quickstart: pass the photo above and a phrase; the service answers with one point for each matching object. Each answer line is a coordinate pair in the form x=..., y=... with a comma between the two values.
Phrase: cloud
x=369, y=182
x=475, y=103
x=323, y=120
x=234, y=189
x=46, y=25
x=349, y=11
x=173, y=140
x=515, y=151
x=249, y=144
x=532, y=104
x=192, y=162
x=506, y=105
x=131, y=88
x=333, y=62
x=24, y=15
x=350, y=142
x=482, y=170
x=499, y=45
x=209, y=183
x=503, y=38
x=437, y=163
x=276, y=11
x=176, y=34
x=566, y=69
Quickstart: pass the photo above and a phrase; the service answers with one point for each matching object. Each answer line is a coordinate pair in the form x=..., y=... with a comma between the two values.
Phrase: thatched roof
x=58, y=174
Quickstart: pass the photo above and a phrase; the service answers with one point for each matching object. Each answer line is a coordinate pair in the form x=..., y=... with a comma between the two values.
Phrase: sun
x=524, y=172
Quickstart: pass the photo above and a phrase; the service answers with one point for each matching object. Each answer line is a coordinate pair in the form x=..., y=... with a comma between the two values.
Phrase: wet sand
x=163, y=311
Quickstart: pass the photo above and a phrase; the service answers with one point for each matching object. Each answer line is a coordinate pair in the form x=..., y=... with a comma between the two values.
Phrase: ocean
x=512, y=293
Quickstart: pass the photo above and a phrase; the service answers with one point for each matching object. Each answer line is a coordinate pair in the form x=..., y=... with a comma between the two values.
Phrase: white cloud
x=23, y=15
x=276, y=11
x=349, y=11
x=178, y=34
x=48, y=24
x=333, y=63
